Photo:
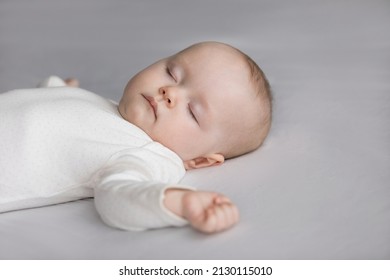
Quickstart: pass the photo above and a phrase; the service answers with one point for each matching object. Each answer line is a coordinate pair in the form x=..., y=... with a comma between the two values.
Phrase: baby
x=205, y=104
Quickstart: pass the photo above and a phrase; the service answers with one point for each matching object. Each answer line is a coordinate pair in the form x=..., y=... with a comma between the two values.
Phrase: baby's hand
x=208, y=211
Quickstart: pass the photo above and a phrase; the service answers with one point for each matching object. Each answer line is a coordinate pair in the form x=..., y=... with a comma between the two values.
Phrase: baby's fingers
x=229, y=215
x=220, y=217
x=222, y=199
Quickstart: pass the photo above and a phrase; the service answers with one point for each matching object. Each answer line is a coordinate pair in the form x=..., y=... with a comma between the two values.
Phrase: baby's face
x=191, y=101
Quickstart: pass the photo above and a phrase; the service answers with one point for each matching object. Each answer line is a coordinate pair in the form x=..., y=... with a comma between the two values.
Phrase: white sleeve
x=129, y=191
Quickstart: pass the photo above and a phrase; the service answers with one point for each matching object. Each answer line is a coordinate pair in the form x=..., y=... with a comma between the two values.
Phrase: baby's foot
x=54, y=81
x=71, y=82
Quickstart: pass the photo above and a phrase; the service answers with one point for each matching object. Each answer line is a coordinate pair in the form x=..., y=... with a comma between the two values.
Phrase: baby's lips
x=152, y=103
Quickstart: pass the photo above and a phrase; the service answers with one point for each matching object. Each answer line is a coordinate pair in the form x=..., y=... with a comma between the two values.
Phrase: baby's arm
x=205, y=211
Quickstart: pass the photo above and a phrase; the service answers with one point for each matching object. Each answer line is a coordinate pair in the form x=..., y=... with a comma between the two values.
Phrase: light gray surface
x=318, y=189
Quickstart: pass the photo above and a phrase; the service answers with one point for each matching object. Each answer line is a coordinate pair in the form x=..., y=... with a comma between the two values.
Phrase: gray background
x=318, y=189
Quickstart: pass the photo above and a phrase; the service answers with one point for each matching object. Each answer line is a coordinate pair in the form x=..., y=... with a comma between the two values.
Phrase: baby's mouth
x=152, y=103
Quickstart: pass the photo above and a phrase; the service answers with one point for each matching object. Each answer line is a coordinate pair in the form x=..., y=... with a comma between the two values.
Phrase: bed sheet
x=319, y=188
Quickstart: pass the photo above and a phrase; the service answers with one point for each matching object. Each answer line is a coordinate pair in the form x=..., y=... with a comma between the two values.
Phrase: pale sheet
x=320, y=186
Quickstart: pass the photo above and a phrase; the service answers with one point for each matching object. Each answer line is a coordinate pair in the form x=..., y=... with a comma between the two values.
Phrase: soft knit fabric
x=63, y=144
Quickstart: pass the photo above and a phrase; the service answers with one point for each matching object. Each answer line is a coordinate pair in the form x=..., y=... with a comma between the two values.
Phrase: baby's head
x=207, y=103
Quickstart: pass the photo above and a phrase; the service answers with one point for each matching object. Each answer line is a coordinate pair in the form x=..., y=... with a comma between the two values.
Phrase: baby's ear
x=204, y=161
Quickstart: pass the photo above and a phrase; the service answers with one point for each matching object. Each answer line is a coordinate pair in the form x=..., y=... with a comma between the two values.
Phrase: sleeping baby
x=197, y=108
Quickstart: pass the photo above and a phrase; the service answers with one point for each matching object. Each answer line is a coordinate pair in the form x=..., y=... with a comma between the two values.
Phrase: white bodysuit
x=63, y=144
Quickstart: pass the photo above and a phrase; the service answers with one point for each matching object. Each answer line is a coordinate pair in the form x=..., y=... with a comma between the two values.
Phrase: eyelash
x=191, y=113
x=170, y=73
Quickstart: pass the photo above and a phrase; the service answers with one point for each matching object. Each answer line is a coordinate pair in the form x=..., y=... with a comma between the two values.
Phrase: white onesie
x=63, y=144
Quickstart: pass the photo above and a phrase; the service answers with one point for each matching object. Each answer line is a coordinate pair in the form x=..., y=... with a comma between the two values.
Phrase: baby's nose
x=168, y=96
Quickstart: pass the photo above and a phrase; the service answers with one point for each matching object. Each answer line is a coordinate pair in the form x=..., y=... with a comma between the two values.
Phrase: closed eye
x=192, y=113
x=169, y=72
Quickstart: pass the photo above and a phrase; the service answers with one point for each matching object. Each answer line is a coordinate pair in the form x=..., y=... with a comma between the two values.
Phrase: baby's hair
x=257, y=134
x=264, y=90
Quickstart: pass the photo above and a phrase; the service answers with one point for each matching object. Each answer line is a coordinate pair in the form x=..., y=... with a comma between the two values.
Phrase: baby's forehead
x=213, y=51
x=213, y=63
